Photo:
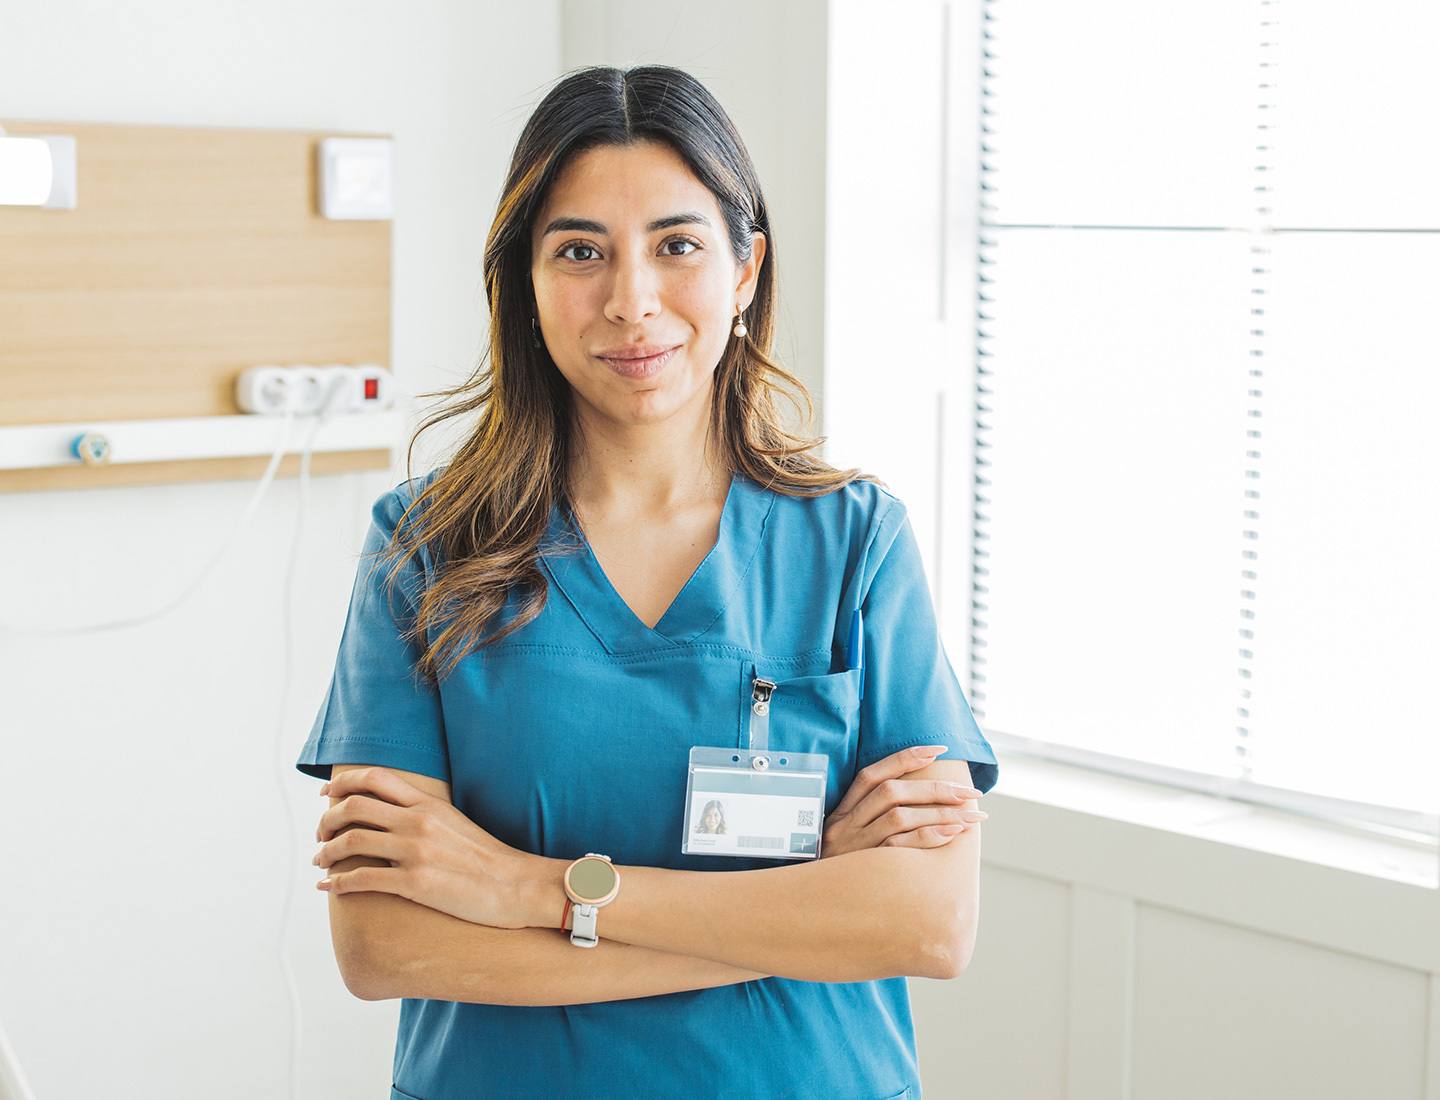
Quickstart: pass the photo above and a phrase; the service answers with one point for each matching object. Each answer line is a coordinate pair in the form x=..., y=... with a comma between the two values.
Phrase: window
x=1207, y=519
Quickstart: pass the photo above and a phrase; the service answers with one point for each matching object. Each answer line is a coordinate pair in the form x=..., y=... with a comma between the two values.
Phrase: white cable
x=280, y=757
x=255, y=498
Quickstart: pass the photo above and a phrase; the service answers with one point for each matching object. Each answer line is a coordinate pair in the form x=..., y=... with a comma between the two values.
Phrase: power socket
x=306, y=390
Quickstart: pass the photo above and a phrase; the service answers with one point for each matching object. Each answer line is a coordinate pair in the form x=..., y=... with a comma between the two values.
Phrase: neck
x=648, y=466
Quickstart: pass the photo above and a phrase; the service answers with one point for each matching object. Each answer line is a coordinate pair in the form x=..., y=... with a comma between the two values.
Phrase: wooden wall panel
x=193, y=254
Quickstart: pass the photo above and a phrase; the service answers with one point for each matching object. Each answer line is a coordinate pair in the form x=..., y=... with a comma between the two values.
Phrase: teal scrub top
x=573, y=736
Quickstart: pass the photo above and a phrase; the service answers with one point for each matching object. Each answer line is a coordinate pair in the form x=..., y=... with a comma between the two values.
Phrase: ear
x=749, y=272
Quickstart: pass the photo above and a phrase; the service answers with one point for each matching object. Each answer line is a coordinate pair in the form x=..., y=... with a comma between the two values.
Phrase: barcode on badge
x=806, y=817
x=760, y=842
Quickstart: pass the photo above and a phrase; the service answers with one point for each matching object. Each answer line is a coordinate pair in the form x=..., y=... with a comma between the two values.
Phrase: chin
x=651, y=406
x=645, y=412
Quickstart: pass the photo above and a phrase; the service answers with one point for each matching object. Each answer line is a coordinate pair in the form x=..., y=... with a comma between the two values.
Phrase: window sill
x=1205, y=817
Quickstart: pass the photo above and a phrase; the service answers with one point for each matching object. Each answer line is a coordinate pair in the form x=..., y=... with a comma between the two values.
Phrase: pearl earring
x=740, y=330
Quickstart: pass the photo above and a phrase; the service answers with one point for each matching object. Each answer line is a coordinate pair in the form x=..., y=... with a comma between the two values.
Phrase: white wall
x=147, y=847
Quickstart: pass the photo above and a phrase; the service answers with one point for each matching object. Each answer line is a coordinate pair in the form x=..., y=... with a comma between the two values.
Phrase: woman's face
x=712, y=819
x=635, y=284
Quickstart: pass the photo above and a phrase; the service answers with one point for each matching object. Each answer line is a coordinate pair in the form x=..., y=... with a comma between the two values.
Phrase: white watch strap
x=582, y=927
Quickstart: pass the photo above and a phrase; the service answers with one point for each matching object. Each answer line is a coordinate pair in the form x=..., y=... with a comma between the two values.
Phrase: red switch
x=372, y=389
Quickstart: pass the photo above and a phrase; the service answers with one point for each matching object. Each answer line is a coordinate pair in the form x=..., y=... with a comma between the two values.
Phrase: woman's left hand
x=882, y=809
x=438, y=857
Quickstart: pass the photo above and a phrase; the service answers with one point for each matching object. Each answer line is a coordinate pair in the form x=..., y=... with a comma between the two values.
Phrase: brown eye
x=685, y=245
x=567, y=250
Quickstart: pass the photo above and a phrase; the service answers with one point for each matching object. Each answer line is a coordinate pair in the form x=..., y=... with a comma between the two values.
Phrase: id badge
x=755, y=802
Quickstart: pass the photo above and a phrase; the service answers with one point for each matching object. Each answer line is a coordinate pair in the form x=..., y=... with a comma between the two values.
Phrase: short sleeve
x=911, y=694
x=378, y=709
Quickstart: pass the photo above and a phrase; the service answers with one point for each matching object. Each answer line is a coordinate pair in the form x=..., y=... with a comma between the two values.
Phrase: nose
x=634, y=291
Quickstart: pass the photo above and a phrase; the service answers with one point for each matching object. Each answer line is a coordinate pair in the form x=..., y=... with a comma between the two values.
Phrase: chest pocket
x=819, y=714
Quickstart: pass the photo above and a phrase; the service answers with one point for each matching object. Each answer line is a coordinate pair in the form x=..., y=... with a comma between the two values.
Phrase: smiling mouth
x=639, y=366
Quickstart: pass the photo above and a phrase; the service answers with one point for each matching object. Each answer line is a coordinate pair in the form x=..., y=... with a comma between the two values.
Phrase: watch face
x=592, y=879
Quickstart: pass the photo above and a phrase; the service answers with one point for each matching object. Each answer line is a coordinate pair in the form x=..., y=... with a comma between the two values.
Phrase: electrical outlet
x=307, y=390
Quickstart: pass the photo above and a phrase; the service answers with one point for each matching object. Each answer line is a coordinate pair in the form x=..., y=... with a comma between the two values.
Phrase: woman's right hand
x=883, y=809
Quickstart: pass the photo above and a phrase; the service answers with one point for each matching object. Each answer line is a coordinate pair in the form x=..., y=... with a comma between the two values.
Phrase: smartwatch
x=590, y=882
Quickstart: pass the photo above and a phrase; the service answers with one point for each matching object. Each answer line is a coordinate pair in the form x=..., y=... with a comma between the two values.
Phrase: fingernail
x=323, y=884
x=949, y=830
x=975, y=815
x=964, y=792
x=324, y=790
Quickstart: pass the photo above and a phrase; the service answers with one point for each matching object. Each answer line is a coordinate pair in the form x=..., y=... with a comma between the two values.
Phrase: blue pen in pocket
x=855, y=653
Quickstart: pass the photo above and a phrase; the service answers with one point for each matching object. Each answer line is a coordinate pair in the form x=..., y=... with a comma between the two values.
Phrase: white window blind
x=1208, y=421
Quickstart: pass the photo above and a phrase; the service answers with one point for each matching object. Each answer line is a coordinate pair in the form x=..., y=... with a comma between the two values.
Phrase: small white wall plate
x=357, y=179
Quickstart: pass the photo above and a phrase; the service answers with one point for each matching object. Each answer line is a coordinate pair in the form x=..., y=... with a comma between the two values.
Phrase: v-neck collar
x=576, y=571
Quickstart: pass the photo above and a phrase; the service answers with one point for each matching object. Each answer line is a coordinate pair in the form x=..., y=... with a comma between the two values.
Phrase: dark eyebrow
x=582, y=225
x=688, y=218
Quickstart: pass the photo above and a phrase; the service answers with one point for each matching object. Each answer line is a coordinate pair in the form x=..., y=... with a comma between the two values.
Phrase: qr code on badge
x=806, y=817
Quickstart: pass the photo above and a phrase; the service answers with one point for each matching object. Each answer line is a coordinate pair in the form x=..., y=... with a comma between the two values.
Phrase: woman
x=622, y=555
x=712, y=818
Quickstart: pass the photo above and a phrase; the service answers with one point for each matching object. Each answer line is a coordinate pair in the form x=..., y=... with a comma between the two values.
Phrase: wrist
x=543, y=892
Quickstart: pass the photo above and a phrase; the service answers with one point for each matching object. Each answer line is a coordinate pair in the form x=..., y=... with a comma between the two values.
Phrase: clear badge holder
x=756, y=801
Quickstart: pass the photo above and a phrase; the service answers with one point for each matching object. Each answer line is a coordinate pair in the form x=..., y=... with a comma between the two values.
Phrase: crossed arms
x=425, y=903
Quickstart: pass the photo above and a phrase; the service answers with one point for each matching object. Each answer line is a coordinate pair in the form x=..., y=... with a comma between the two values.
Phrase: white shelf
x=40, y=446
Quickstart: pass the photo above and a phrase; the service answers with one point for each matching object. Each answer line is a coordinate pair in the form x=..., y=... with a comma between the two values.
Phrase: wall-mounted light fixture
x=37, y=171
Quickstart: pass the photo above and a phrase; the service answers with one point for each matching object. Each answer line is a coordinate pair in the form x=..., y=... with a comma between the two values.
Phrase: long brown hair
x=482, y=517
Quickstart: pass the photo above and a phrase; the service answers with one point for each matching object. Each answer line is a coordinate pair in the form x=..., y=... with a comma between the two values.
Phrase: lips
x=638, y=360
